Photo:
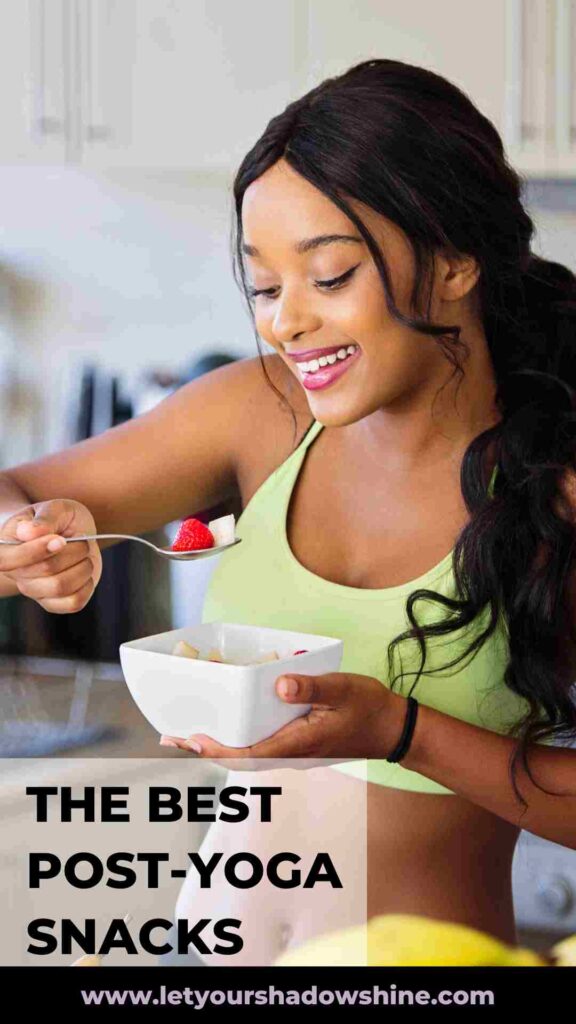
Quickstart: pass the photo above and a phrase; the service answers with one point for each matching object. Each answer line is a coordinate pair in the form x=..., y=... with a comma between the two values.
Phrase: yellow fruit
x=185, y=650
x=89, y=960
x=564, y=953
x=406, y=940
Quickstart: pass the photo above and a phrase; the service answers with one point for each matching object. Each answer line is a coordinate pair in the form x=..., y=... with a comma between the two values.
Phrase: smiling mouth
x=313, y=366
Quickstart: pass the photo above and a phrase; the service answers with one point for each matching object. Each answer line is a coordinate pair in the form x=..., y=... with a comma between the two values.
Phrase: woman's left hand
x=351, y=716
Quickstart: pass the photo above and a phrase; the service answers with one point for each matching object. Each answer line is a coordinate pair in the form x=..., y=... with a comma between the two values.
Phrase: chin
x=336, y=414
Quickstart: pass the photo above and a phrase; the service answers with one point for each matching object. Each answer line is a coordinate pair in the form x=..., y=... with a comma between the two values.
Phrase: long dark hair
x=414, y=148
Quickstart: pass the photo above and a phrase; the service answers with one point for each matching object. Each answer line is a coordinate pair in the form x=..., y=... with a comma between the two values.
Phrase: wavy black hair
x=413, y=147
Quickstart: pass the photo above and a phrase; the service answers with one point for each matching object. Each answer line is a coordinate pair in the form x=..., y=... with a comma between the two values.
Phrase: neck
x=431, y=425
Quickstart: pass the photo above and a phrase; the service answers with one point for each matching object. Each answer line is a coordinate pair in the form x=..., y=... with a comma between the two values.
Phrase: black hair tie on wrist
x=408, y=731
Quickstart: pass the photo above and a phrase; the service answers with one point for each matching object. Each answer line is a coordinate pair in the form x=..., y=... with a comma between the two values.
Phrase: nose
x=293, y=316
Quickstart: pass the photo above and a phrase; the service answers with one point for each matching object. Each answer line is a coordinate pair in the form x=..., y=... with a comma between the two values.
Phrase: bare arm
x=185, y=455
x=181, y=457
x=474, y=763
x=160, y=466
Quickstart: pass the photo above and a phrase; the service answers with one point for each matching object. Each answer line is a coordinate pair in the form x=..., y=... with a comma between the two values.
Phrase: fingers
x=44, y=517
x=328, y=690
x=21, y=555
x=46, y=563
x=60, y=577
x=293, y=740
x=94, y=553
x=72, y=603
x=59, y=587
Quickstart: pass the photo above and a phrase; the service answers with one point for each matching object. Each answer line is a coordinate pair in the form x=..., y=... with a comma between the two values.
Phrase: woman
x=420, y=483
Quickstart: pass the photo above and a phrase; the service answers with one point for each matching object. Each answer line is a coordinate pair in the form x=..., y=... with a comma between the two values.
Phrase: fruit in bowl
x=228, y=693
x=185, y=650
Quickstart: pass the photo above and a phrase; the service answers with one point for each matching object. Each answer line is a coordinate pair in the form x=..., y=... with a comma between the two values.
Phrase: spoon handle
x=111, y=536
x=96, y=536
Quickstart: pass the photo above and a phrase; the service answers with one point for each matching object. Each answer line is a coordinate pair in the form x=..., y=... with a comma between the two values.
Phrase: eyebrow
x=306, y=244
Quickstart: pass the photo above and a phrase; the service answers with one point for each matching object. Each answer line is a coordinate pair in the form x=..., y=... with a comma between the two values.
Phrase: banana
x=406, y=940
x=89, y=960
x=563, y=954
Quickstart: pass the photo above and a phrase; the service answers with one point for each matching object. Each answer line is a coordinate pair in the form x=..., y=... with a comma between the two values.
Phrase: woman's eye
x=335, y=282
x=330, y=285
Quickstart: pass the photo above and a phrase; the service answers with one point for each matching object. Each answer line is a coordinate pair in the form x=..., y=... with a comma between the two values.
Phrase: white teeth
x=316, y=364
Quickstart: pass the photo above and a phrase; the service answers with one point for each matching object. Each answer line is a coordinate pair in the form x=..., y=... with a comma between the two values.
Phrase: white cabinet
x=197, y=80
x=144, y=83
x=516, y=59
x=540, y=101
x=34, y=81
x=49, y=86
x=191, y=84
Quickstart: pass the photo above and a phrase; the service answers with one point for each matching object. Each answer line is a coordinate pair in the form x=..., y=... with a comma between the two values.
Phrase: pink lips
x=327, y=374
x=313, y=353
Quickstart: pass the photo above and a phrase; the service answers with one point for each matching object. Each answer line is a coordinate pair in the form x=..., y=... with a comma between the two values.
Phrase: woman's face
x=306, y=314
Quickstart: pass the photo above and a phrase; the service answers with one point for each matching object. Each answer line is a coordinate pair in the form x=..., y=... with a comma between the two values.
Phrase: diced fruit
x=223, y=530
x=193, y=536
x=300, y=652
x=185, y=650
x=265, y=657
x=563, y=954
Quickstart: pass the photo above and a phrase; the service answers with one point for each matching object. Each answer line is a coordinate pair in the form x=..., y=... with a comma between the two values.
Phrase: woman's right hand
x=60, y=577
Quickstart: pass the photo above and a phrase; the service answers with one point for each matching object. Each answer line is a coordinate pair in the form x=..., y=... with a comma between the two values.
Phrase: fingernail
x=194, y=745
x=166, y=742
x=287, y=686
x=56, y=545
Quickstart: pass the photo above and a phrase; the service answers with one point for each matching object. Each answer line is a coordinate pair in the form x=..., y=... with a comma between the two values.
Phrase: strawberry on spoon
x=193, y=536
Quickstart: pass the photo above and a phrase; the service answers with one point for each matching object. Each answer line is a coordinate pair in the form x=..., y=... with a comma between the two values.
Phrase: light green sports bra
x=260, y=582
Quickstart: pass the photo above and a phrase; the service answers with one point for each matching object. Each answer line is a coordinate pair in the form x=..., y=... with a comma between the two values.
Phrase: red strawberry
x=192, y=536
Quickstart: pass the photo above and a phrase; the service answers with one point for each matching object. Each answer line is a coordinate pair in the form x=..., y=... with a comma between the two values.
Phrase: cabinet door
x=462, y=41
x=565, y=87
x=187, y=83
x=35, y=82
x=540, y=79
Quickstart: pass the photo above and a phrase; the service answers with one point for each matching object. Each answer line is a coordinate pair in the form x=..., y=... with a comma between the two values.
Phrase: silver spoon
x=178, y=556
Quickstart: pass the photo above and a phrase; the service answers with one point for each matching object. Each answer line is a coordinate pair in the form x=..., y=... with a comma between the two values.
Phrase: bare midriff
x=439, y=856
x=395, y=852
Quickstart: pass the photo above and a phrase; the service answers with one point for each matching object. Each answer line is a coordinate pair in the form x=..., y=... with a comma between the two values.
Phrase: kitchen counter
x=70, y=709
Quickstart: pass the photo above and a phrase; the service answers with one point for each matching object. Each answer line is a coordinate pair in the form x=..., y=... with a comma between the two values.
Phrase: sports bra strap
x=492, y=481
x=312, y=432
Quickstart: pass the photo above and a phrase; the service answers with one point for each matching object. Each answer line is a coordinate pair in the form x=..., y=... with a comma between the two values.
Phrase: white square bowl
x=236, y=705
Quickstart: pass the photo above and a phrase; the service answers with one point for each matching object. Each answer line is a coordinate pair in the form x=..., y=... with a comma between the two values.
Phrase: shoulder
x=267, y=414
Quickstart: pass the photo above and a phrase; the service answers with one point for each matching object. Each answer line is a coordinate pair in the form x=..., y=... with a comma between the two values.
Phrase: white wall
x=133, y=272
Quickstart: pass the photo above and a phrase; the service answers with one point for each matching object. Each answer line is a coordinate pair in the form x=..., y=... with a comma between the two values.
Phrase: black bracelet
x=408, y=731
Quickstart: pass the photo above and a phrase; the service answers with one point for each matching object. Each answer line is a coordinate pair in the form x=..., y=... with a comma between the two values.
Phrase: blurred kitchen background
x=122, y=124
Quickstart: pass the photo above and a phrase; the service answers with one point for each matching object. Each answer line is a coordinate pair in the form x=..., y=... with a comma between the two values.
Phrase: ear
x=456, y=275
